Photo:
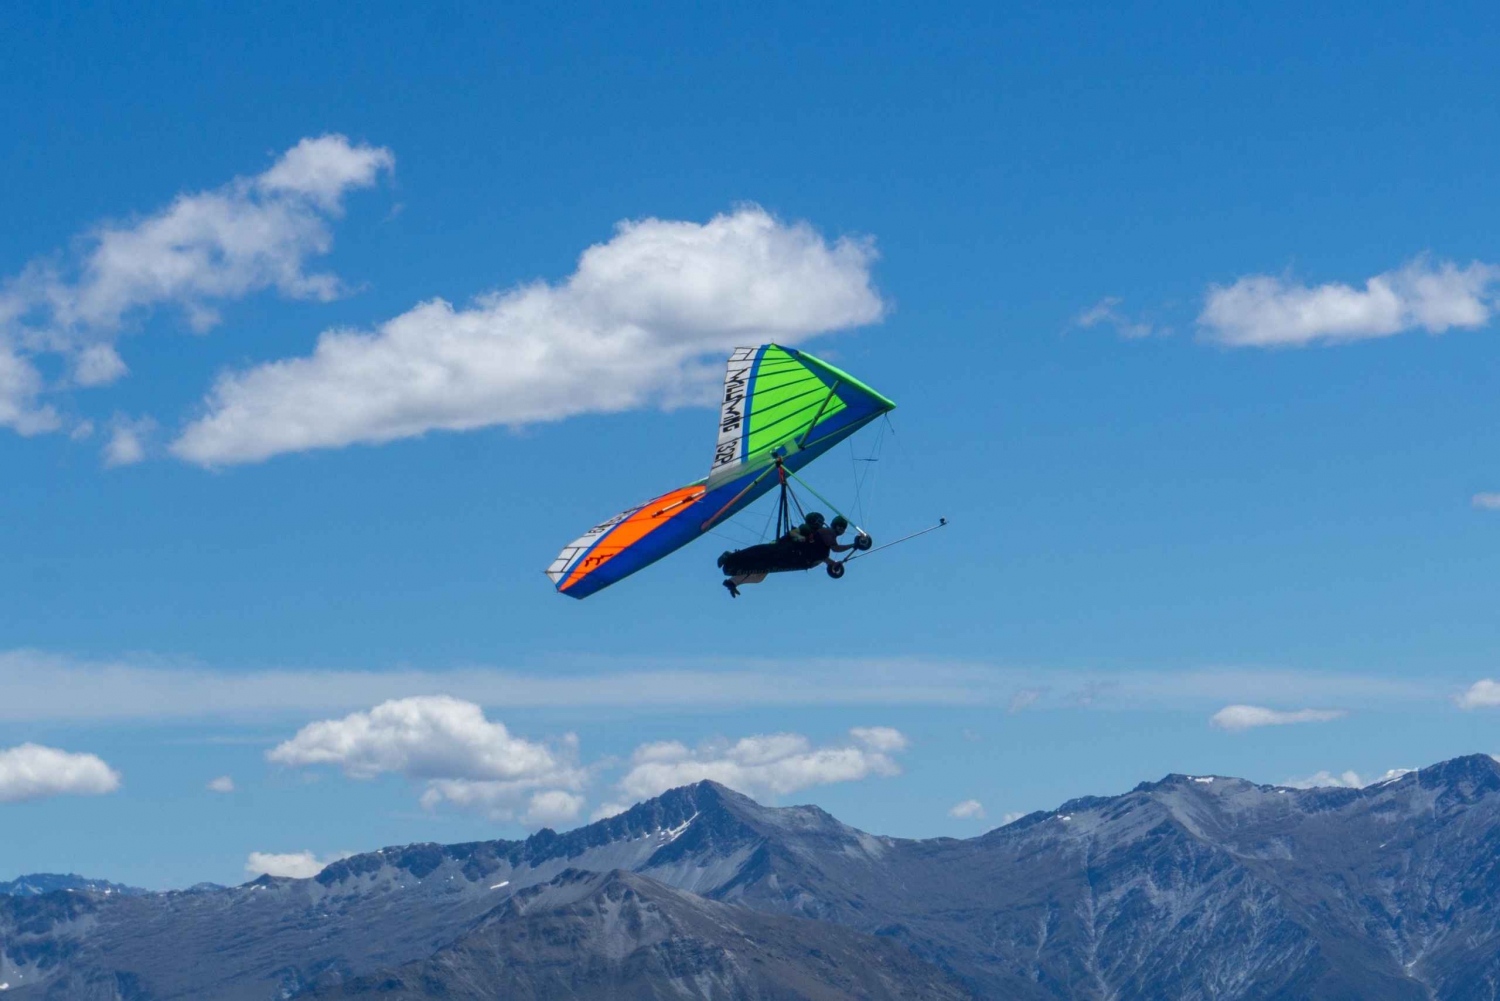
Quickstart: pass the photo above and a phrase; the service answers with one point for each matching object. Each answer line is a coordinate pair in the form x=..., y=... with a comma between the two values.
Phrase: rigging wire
x=865, y=476
x=747, y=538
x=859, y=504
x=765, y=531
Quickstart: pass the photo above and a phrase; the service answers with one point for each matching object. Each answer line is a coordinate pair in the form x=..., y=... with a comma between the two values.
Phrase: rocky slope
x=622, y=935
x=1195, y=887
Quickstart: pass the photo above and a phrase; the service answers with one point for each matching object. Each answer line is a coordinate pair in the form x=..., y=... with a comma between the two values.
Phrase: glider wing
x=779, y=403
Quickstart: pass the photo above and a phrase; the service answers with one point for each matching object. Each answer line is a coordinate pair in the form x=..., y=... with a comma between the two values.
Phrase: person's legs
x=733, y=583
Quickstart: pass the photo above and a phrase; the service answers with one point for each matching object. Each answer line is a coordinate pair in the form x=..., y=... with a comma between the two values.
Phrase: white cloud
x=41, y=685
x=1326, y=779
x=1248, y=717
x=127, y=440
x=1483, y=694
x=1345, y=780
x=296, y=865
x=463, y=758
x=31, y=771
x=969, y=809
x=509, y=800
x=323, y=169
x=1486, y=502
x=224, y=783
x=98, y=365
x=1011, y=818
x=1107, y=311
x=552, y=808
x=434, y=736
x=1025, y=698
x=20, y=387
x=252, y=234
x=1267, y=311
x=763, y=766
x=607, y=810
x=246, y=236
x=881, y=738
x=644, y=321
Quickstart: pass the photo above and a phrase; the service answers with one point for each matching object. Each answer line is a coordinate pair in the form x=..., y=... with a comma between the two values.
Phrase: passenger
x=803, y=547
x=804, y=532
x=826, y=539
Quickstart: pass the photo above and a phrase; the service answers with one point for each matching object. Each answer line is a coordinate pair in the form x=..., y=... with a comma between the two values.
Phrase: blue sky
x=1187, y=314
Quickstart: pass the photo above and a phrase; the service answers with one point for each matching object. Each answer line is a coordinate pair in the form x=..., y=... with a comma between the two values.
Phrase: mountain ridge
x=34, y=884
x=620, y=934
x=1193, y=886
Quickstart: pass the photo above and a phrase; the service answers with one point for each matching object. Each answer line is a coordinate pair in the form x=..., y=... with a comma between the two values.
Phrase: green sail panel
x=779, y=400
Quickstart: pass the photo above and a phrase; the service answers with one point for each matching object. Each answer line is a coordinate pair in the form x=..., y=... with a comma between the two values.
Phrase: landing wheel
x=835, y=570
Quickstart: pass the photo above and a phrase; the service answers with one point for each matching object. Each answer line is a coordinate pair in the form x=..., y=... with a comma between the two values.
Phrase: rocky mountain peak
x=1478, y=773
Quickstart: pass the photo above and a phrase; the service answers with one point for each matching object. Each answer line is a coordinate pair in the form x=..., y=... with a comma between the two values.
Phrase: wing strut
x=942, y=523
x=735, y=499
x=802, y=442
x=831, y=505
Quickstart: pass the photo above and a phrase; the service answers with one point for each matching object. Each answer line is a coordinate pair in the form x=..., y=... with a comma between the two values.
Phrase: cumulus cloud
x=763, y=766
x=1107, y=312
x=1486, y=502
x=323, y=169
x=127, y=440
x=249, y=235
x=1345, y=780
x=1249, y=717
x=296, y=865
x=1267, y=311
x=881, y=738
x=1483, y=694
x=446, y=743
x=1011, y=818
x=969, y=809
x=31, y=771
x=551, y=808
x=252, y=234
x=223, y=783
x=97, y=365
x=1326, y=779
x=20, y=387
x=606, y=810
x=420, y=737
x=644, y=320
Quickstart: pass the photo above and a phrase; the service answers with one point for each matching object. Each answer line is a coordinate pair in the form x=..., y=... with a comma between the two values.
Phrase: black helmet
x=814, y=520
x=840, y=523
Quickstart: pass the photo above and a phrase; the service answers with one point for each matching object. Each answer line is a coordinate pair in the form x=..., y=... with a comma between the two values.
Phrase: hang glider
x=782, y=409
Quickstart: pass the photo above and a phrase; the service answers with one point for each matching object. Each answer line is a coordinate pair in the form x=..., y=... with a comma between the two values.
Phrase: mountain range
x=37, y=883
x=1193, y=887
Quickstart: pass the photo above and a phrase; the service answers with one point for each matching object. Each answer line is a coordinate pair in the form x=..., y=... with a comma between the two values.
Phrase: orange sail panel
x=626, y=532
